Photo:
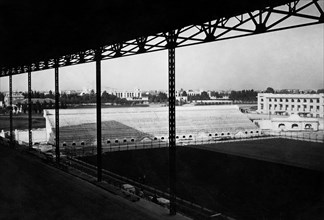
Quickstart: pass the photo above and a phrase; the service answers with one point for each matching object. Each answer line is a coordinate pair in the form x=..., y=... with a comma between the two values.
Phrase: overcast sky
x=284, y=59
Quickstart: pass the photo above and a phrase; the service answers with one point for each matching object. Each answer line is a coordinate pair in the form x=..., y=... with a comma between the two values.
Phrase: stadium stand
x=149, y=123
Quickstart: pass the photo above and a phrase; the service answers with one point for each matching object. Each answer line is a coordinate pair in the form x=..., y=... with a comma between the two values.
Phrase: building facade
x=16, y=97
x=310, y=105
x=134, y=96
x=129, y=95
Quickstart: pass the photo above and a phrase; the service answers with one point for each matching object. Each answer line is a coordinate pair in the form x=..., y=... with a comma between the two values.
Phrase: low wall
x=38, y=135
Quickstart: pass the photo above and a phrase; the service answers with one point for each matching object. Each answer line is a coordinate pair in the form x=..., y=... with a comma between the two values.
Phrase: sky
x=285, y=59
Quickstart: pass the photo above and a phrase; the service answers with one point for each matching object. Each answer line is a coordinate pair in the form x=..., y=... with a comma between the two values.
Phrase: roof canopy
x=34, y=30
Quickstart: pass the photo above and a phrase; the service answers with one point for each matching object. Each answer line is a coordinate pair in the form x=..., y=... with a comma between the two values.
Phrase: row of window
x=292, y=107
x=293, y=100
x=127, y=94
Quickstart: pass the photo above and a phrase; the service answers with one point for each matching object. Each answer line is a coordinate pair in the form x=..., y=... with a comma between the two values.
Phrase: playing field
x=241, y=187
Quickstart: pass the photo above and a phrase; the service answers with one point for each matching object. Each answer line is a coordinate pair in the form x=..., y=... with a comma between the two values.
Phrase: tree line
x=244, y=95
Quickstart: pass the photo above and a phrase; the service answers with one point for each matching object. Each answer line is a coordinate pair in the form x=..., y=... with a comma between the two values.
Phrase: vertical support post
x=172, y=122
x=10, y=111
x=57, y=112
x=29, y=110
x=98, y=91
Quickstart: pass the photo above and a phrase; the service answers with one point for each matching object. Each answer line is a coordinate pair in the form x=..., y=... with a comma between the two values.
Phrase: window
x=269, y=106
x=280, y=100
x=317, y=108
x=261, y=106
x=270, y=100
x=292, y=100
x=275, y=100
x=311, y=100
x=261, y=100
x=287, y=100
x=305, y=100
x=286, y=107
x=317, y=100
x=298, y=100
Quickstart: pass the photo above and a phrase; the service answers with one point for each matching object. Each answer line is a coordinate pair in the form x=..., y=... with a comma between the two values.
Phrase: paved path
x=30, y=189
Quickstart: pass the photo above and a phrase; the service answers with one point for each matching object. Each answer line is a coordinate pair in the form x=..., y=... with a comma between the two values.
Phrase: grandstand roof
x=34, y=30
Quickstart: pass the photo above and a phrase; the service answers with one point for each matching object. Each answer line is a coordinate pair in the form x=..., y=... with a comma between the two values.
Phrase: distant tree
x=50, y=104
x=1, y=96
x=284, y=91
x=38, y=107
x=50, y=95
x=44, y=105
x=269, y=90
x=24, y=107
x=244, y=95
x=204, y=96
x=320, y=91
x=18, y=105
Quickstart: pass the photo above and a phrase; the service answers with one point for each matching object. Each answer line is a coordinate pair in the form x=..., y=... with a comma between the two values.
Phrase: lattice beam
x=255, y=22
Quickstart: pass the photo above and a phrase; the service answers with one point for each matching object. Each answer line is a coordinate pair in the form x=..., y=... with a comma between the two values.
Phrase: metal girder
x=171, y=44
x=57, y=113
x=10, y=111
x=30, y=104
x=98, y=91
x=255, y=22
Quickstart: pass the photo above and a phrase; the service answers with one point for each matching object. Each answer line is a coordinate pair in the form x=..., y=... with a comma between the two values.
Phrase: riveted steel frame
x=30, y=104
x=98, y=91
x=10, y=111
x=171, y=38
x=264, y=20
x=57, y=113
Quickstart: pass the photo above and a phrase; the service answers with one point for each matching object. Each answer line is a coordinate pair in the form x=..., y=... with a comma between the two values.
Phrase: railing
x=91, y=149
x=144, y=191
x=309, y=136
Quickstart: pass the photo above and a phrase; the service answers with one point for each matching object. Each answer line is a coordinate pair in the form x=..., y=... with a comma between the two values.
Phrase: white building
x=291, y=123
x=295, y=123
x=129, y=95
x=16, y=97
x=135, y=95
x=193, y=93
x=310, y=105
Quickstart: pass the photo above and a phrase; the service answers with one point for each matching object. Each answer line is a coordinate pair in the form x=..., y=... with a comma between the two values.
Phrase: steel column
x=10, y=111
x=57, y=113
x=98, y=91
x=29, y=110
x=172, y=123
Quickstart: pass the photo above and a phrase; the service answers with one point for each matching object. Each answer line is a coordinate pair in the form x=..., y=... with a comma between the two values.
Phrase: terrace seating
x=147, y=123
